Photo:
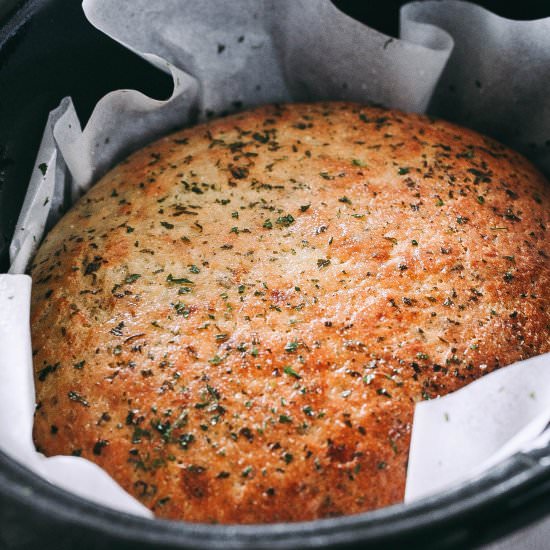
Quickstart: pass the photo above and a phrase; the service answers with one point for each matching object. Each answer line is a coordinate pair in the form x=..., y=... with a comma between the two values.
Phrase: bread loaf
x=237, y=321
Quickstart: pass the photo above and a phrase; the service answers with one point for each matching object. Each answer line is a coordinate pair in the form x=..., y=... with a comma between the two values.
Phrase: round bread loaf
x=237, y=321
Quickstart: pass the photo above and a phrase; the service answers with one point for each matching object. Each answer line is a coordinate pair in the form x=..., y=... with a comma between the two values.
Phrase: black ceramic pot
x=48, y=51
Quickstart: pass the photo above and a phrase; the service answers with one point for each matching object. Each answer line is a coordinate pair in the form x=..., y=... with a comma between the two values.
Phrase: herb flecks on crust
x=237, y=321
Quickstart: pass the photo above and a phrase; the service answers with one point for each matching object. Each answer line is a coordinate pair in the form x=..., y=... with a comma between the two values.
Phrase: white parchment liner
x=464, y=63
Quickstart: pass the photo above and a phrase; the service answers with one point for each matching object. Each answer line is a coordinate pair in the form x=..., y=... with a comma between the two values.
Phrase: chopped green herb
x=75, y=396
x=185, y=440
x=285, y=221
x=290, y=371
x=292, y=346
x=178, y=281
x=181, y=309
x=43, y=373
x=132, y=278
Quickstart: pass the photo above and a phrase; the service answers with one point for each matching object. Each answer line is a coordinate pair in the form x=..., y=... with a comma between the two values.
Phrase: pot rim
x=506, y=488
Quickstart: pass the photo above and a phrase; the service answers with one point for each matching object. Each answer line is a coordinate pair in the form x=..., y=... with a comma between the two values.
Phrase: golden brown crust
x=237, y=320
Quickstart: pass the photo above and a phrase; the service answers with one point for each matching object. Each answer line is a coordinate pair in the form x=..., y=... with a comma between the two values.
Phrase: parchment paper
x=230, y=55
x=465, y=433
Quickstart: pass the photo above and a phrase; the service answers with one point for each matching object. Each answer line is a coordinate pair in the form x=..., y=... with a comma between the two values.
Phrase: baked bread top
x=237, y=321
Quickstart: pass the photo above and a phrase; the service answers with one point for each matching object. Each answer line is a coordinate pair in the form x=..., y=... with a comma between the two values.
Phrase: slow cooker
x=48, y=51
